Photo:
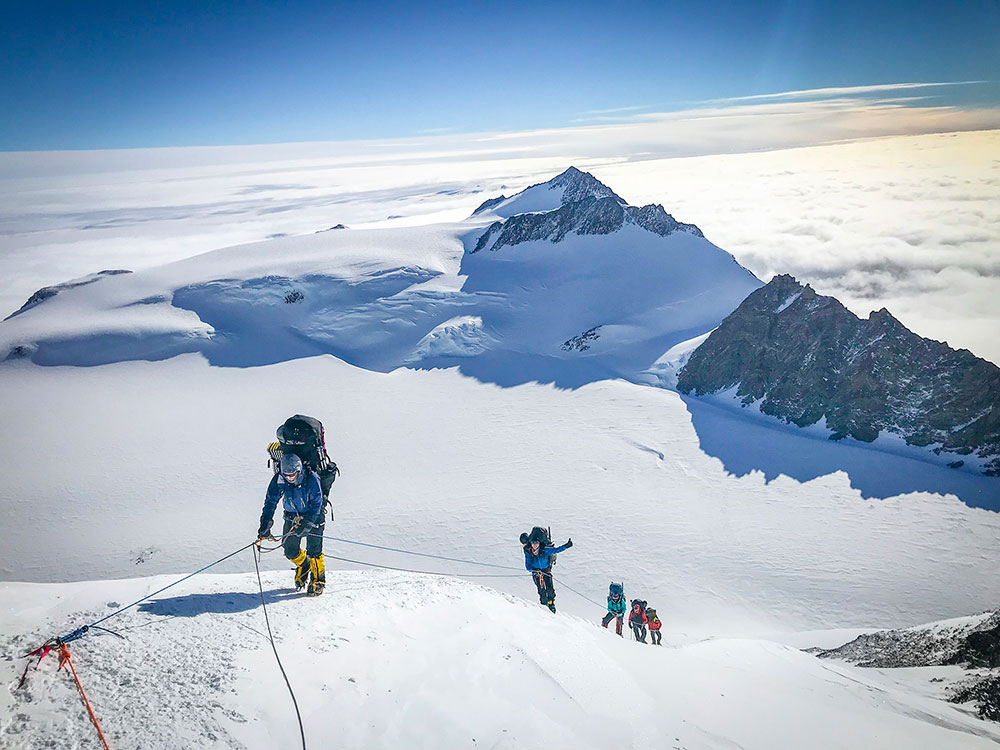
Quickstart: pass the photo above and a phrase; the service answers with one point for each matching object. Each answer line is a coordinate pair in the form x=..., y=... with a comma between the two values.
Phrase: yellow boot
x=317, y=578
x=301, y=563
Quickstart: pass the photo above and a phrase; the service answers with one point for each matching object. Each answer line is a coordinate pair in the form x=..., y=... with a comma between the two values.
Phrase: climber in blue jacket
x=539, y=555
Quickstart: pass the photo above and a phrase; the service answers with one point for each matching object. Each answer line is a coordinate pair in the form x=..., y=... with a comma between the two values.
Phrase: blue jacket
x=303, y=499
x=541, y=561
x=617, y=607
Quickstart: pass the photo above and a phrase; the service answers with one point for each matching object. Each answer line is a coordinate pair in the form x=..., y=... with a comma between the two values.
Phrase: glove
x=524, y=538
x=569, y=544
x=264, y=531
x=305, y=528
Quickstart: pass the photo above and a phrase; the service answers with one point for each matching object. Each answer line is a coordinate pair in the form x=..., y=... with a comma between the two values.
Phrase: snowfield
x=400, y=660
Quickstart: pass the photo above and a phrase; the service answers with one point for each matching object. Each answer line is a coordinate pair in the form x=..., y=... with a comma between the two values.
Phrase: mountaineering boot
x=551, y=605
x=317, y=577
x=301, y=563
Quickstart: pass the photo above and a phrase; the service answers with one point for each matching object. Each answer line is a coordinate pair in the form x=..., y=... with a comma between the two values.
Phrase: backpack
x=616, y=588
x=304, y=436
x=540, y=534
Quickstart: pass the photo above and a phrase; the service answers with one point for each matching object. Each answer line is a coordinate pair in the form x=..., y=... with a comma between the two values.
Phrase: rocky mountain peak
x=803, y=357
x=568, y=187
x=577, y=203
x=579, y=185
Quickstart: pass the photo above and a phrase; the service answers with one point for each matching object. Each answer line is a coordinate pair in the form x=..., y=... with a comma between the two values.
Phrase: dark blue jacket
x=303, y=499
x=541, y=561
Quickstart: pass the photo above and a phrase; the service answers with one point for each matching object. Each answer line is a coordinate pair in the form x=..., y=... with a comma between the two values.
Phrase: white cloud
x=851, y=91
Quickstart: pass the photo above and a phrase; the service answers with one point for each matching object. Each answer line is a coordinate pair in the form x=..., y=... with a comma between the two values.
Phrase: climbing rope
x=418, y=554
x=270, y=635
x=82, y=631
x=424, y=572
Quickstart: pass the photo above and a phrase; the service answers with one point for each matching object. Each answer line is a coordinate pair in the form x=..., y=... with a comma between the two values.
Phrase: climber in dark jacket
x=538, y=561
x=299, y=489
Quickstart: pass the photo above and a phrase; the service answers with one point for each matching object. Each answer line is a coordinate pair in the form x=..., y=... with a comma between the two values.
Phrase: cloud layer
x=897, y=219
x=908, y=223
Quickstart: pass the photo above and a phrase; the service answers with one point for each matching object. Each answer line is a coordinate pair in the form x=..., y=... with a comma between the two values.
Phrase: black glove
x=569, y=544
x=305, y=528
x=264, y=530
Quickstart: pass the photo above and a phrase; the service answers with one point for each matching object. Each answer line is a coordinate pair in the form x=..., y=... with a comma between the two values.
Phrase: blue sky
x=123, y=75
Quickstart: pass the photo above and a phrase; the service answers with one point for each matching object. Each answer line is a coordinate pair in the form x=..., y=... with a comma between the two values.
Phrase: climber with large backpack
x=303, y=475
x=298, y=487
x=637, y=620
x=539, y=557
x=616, y=606
x=654, y=626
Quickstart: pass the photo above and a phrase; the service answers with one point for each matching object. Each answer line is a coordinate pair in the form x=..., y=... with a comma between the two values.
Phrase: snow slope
x=164, y=462
x=399, y=660
x=373, y=297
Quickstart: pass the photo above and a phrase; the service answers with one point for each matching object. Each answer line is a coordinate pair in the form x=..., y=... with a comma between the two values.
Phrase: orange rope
x=64, y=659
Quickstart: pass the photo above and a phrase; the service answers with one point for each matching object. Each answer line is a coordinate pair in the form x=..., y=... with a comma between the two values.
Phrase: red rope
x=64, y=659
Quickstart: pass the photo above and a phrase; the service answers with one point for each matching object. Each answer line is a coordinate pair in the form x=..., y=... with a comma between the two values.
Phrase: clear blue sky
x=132, y=74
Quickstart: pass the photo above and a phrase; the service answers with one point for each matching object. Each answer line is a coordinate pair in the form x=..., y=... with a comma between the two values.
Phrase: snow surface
x=399, y=660
x=165, y=462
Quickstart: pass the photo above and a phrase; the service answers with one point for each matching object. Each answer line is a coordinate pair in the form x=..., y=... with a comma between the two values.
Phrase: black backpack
x=304, y=436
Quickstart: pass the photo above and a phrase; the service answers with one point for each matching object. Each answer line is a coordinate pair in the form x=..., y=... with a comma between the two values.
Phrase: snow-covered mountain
x=806, y=359
x=502, y=297
x=151, y=461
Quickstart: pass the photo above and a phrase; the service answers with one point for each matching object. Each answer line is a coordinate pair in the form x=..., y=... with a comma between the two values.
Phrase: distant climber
x=654, y=626
x=616, y=606
x=539, y=556
x=298, y=487
x=637, y=620
x=305, y=437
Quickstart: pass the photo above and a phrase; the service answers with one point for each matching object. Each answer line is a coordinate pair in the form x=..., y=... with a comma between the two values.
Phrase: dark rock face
x=588, y=207
x=47, y=292
x=488, y=204
x=980, y=648
x=582, y=342
x=916, y=647
x=806, y=357
x=974, y=644
x=985, y=693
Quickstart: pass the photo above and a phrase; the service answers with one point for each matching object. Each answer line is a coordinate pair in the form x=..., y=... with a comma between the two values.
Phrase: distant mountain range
x=806, y=359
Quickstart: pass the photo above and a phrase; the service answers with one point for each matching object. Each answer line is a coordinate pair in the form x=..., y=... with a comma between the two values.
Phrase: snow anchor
x=64, y=661
x=57, y=644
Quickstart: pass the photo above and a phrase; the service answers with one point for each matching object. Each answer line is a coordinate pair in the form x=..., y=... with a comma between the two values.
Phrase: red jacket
x=634, y=616
x=655, y=624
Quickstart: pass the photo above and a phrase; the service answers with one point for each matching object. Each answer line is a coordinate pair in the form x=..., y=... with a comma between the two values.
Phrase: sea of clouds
x=873, y=195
